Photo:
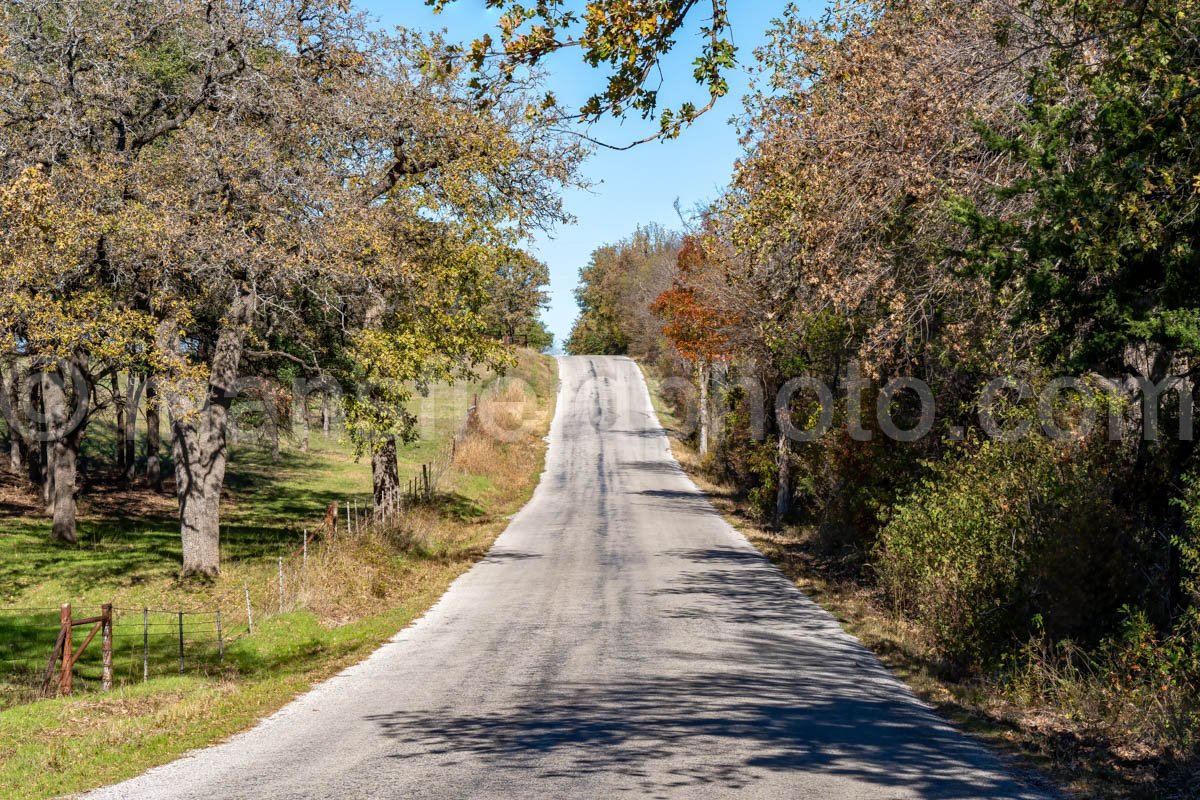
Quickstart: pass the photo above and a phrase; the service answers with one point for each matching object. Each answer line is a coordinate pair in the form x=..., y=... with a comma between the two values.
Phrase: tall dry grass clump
x=501, y=441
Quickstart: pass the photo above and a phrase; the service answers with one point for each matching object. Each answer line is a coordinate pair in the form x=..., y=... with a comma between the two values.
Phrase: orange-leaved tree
x=693, y=325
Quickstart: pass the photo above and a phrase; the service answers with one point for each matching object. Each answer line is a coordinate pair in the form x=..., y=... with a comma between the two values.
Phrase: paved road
x=620, y=640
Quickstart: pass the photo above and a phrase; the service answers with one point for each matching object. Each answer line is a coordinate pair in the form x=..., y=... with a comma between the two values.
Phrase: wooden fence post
x=54, y=658
x=180, y=642
x=65, y=680
x=425, y=477
x=249, y=613
x=145, y=644
x=106, y=612
x=220, y=639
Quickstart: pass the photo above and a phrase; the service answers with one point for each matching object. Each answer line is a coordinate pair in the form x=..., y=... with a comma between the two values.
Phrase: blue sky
x=632, y=187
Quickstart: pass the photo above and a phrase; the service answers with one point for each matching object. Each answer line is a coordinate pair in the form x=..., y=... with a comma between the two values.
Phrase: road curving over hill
x=621, y=639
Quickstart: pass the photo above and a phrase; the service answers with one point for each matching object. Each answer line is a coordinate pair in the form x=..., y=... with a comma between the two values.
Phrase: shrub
x=1002, y=534
x=1137, y=689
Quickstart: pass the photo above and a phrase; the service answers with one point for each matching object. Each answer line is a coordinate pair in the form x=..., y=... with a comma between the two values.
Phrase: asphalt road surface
x=620, y=640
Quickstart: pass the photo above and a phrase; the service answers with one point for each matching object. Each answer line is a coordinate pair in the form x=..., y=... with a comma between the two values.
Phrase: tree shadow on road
x=676, y=503
x=768, y=691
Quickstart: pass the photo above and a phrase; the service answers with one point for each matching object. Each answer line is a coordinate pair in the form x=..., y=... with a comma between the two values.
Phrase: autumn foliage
x=204, y=195
x=956, y=191
x=693, y=326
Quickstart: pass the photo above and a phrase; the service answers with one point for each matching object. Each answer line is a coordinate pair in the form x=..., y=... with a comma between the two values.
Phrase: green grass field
x=350, y=595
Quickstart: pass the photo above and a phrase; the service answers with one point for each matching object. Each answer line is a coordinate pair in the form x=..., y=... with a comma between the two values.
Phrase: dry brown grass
x=503, y=441
x=349, y=577
x=475, y=454
x=111, y=499
x=16, y=498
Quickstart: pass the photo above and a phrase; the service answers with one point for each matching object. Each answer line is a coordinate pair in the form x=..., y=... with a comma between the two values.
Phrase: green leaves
x=616, y=290
x=998, y=535
x=627, y=39
x=1104, y=248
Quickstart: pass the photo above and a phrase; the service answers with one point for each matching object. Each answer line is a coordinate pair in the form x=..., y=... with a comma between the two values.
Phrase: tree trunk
x=35, y=459
x=783, y=491
x=119, y=400
x=16, y=439
x=273, y=424
x=302, y=408
x=385, y=475
x=66, y=461
x=133, y=398
x=200, y=448
x=703, y=377
x=325, y=414
x=64, y=437
x=48, y=476
x=200, y=462
x=30, y=448
x=48, y=400
x=35, y=465
x=153, y=434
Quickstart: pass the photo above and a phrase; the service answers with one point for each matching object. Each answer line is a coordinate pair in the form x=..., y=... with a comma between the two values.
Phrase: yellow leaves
x=24, y=199
x=43, y=232
x=55, y=227
x=265, y=187
x=87, y=321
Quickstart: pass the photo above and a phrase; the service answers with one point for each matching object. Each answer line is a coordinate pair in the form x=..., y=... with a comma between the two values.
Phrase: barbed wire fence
x=141, y=644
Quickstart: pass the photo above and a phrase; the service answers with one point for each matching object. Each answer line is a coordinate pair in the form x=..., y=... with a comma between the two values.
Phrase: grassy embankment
x=1036, y=741
x=355, y=593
